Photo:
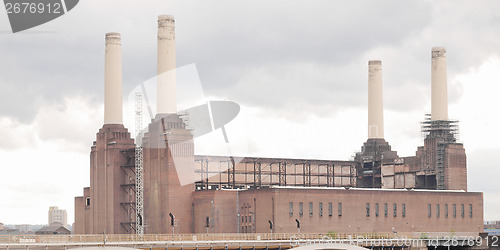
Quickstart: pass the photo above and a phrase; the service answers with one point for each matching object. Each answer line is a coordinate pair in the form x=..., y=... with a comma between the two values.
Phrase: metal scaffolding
x=128, y=187
x=219, y=172
x=446, y=130
x=139, y=194
x=442, y=132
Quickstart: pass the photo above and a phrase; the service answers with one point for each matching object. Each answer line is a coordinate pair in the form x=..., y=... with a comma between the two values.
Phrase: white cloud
x=478, y=109
x=255, y=133
x=14, y=134
x=46, y=163
x=71, y=124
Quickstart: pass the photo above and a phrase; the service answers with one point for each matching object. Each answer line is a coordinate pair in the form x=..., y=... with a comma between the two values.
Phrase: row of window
x=386, y=210
x=247, y=229
x=311, y=209
x=454, y=210
x=245, y=218
x=246, y=213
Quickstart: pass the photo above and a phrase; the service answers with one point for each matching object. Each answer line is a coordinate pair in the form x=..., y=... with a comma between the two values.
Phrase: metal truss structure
x=217, y=172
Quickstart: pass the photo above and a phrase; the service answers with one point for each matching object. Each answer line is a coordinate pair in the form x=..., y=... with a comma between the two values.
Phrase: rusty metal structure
x=221, y=172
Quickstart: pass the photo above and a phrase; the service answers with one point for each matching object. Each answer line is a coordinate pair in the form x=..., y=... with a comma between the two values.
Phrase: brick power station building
x=376, y=192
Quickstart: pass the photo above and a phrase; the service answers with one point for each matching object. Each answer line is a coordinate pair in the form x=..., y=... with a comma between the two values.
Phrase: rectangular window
x=395, y=208
x=290, y=210
x=330, y=209
x=87, y=201
x=462, y=212
x=376, y=209
x=301, y=209
x=429, y=210
x=321, y=209
x=385, y=209
x=340, y=209
x=310, y=209
x=367, y=209
x=403, y=210
x=446, y=210
x=470, y=210
x=454, y=210
x=438, y=212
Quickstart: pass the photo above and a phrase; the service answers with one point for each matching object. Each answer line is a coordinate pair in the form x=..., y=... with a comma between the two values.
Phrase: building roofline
x=372, y=189
x=274, y=159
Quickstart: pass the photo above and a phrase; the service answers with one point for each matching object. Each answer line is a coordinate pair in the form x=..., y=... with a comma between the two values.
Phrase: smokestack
x=166, y=98
x=439, y=92
x=375, y=101
x=113, y=80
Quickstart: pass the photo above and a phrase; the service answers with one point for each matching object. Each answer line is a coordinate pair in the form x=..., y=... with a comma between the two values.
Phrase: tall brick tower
x=442, y=158
x=168, y=149
x=168, y=155
x=376, y=150
x=106, y=206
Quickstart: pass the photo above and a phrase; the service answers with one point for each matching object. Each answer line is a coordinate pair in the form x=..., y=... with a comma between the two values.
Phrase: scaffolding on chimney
x=445, y=129
x=445, y=132
x=139, y=194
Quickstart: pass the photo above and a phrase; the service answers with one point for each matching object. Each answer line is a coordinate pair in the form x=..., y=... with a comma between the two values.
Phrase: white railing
x=124, y=238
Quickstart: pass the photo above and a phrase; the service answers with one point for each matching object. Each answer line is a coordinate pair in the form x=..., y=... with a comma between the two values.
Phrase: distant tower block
x=439, y=92
x=113, y=80
x=375, y=101
x=166, y=88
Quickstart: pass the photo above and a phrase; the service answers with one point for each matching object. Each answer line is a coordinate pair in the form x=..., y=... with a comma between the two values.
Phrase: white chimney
x=439, y=92
x=166, y=89
x=113, y=80
x=375, y=101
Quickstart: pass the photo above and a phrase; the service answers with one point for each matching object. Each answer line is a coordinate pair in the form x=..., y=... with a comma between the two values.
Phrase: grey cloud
x=322, y=32
x=302, y=88
x=72, y=124
x=45, y=67
x=15, y=135
x=231, y=40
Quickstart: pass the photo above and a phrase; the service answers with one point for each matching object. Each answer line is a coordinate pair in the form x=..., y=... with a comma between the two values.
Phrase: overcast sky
x=297, y=68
